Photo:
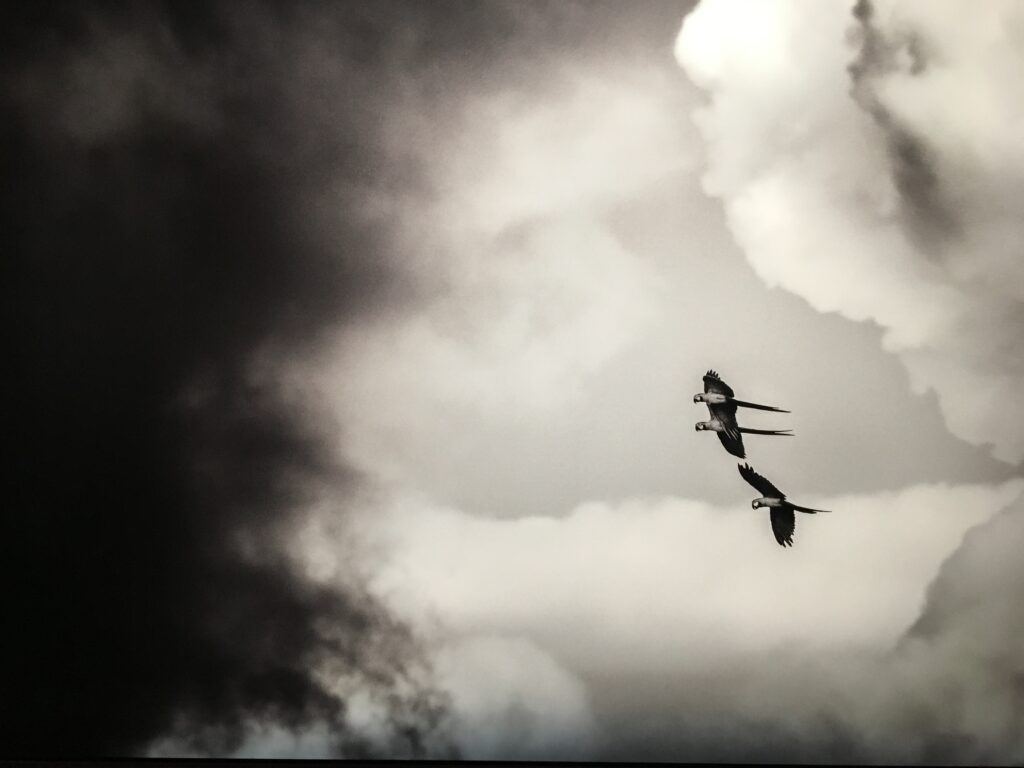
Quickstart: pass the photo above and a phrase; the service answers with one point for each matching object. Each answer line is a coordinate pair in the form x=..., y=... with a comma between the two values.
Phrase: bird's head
x=700, y=426
x=698, y=398
x=755, y=504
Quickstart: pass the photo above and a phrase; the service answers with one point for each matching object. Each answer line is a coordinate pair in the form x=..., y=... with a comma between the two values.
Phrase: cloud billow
x=164, y=261
x=890, y=162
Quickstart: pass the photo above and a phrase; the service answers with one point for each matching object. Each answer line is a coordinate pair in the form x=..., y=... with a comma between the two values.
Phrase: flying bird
x=722, y=404
x=717, y=392
x=783, y=519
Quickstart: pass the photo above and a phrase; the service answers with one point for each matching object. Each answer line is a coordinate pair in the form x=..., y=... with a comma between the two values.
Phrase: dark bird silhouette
x=783, y=519
x=722, y=404
x=717, y=392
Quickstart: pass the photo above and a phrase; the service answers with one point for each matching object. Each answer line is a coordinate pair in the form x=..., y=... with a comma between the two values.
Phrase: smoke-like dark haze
x=160, y=237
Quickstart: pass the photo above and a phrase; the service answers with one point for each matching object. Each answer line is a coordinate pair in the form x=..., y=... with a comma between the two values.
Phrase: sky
x=354, y=347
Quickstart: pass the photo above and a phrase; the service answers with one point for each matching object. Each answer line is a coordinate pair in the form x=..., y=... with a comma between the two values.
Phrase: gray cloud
x=203, y=195
x=178, y=233
x=930, y=218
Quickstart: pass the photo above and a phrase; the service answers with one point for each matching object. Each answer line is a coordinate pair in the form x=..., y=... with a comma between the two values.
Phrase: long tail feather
x=808, y=510
x=745, y=404
x=783, y=432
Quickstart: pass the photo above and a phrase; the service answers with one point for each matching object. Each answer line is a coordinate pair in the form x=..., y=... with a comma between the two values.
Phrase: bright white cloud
x=899, y=201
x=666, y=581
x=668, y=587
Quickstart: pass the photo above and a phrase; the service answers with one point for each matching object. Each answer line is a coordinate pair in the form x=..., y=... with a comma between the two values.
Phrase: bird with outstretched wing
x=781, y=509
x=722, y=404
x=717, y=392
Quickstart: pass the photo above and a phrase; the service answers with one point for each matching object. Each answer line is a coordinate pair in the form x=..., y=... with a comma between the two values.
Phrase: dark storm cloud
x=162, y=165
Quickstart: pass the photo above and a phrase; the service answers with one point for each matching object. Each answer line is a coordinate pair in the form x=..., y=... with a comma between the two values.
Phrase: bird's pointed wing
x=762, y=484
x=714, y=384
x=730, y=434
x=733, y=444
x=783, y=525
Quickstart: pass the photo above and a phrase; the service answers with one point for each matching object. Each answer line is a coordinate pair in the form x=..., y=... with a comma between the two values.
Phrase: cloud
x=868, y=164
x=510, y=697
x=529, y=289
x=675, y=615
x=168, y=255
x=433, y=219
x=970, y=630
x=594, y=563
